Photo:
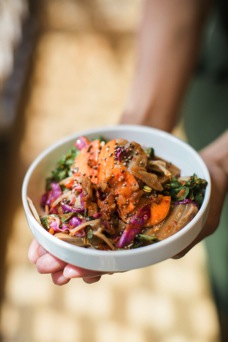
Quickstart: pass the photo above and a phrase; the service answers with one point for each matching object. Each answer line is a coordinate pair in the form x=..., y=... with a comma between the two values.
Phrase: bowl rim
x=119, y=254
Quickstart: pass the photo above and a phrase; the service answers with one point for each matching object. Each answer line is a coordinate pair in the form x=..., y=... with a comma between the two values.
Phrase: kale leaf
x=192, y=188
x=63, y=168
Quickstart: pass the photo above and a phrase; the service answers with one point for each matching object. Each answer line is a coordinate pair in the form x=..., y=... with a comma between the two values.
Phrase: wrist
x=217, y=154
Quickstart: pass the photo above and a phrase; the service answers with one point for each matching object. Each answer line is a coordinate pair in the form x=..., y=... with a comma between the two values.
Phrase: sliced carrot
x=106, y=161
x=87, y=161
x=125, y=188
x=159, y=210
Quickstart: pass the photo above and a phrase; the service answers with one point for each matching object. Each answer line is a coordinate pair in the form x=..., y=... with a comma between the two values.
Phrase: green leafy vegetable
x=192, y=188
x=63, y=168
x=44, y=222
x=150, y=152
x=144, y=240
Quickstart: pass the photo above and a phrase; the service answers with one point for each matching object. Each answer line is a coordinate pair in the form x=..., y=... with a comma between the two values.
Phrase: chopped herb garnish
x=63, y=168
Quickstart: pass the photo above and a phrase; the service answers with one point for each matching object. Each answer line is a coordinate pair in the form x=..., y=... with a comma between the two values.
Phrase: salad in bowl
x=116, y=194
x=116, y=198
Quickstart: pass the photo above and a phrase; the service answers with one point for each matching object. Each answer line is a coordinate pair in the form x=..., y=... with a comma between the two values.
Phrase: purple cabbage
x=81, y=142
x=64, y=228
x=75, y=221
x=55, y=223
x=44, y=199
x=185, y=201
x=134, y=227
x=51, y=195
x=70, y=209
x=74, y=204
x=119, y=153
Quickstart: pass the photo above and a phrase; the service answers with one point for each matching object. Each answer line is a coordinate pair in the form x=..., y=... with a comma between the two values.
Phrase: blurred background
x=66, y=66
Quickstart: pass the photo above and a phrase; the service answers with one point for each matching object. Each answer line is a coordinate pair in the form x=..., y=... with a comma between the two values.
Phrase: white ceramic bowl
x=167, y=147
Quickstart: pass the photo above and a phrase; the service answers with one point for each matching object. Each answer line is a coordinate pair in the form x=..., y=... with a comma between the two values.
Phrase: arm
x=167, y=51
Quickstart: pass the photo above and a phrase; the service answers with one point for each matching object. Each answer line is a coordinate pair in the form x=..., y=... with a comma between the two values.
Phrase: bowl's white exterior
x=166, y=146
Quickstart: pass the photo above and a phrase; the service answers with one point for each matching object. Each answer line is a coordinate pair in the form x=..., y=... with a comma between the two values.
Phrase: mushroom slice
x=100, y=235
x=74, y=240
x=150, y=179
x=161, y=165
x=33, y=210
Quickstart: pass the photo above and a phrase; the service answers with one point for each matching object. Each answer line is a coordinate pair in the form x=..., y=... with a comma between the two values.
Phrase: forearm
x=168, y=46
